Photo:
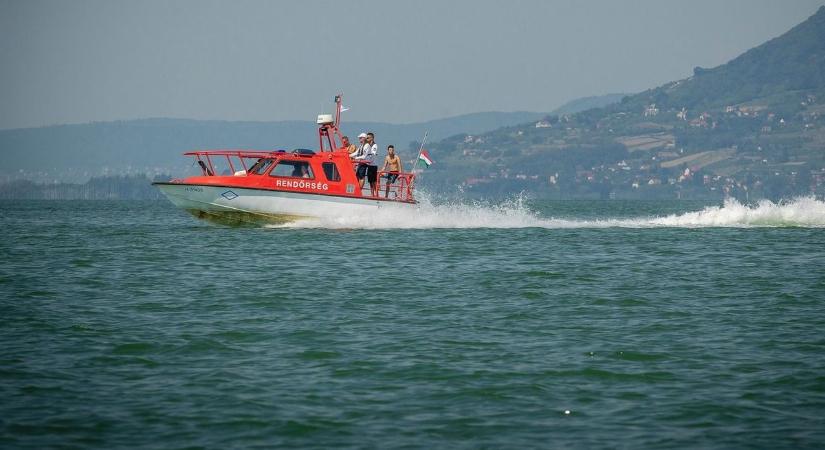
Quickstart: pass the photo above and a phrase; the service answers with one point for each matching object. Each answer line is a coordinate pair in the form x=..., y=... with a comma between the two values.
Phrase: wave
x=805, y=212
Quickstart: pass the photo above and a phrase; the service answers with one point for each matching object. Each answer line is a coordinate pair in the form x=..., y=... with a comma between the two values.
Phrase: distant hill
x=79, y=152
x=585, y=103
x=751, y=128
x=76, y=153
x=770, y=72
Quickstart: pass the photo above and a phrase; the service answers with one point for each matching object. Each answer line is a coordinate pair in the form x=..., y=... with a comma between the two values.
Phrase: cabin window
x=260, y=166
x=295, y=169
x=331, y=171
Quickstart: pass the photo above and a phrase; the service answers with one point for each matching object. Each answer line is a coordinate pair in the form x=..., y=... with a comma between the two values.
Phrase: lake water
x=521, y=324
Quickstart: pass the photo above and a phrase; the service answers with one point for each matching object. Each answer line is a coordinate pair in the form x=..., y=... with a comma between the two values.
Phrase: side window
x=259, y=168
x=331, y=171
x=295, y=169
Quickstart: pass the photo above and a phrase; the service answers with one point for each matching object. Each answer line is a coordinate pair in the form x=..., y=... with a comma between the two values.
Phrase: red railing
x=204, y=159
x=401, y=188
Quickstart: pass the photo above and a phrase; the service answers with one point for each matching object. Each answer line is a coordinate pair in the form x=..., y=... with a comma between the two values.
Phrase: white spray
x=804, y=212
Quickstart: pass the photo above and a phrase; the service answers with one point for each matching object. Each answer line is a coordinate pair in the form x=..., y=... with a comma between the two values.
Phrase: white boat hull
x=258, y=205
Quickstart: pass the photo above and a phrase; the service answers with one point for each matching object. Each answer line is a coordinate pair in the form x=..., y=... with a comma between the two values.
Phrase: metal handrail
x=400, y=189
x=208, y=168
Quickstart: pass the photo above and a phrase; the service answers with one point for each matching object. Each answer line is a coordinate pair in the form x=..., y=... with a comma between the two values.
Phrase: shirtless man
x=392, y=163
x=346, y=146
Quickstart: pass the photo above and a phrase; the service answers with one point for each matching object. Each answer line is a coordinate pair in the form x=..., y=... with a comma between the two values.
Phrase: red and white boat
x=282, y=186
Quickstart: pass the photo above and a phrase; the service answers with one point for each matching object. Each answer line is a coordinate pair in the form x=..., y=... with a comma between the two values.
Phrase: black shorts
x=372, y=173
x=361, y=171
x=391, y=177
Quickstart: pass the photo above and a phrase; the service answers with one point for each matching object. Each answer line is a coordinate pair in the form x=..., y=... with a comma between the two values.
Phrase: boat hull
x=239, y=205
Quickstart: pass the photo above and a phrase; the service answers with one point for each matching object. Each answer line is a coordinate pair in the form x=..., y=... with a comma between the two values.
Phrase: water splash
x=512, y=213
x=806, y=212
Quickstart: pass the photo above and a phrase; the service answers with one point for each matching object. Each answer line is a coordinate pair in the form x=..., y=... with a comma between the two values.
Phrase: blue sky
x=81, y=61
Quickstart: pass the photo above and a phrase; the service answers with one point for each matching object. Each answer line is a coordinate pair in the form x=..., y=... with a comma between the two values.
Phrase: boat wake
x=805, y=212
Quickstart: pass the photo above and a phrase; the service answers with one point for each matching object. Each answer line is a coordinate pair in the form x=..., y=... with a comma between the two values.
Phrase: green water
x=655, y=325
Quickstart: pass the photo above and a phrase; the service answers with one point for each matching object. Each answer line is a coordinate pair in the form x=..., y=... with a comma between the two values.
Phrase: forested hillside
x=751, y=128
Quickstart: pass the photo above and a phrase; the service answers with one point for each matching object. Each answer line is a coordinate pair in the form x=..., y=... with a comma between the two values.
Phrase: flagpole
x=420, y=149
x=417, y=157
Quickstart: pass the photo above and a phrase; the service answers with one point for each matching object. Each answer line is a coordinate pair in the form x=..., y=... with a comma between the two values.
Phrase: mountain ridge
x=77, y=152
x=80, y=151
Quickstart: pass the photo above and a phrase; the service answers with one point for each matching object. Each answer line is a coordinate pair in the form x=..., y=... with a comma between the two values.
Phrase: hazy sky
x=81, y=61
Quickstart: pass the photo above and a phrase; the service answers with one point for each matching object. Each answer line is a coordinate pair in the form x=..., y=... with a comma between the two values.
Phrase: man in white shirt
x=365, y=156
x=356, y=154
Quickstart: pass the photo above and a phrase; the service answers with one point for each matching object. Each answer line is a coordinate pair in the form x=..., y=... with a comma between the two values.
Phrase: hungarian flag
x=424, y=157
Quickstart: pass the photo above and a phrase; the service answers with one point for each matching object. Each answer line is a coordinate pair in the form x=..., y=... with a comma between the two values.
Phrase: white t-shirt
x=367, y=153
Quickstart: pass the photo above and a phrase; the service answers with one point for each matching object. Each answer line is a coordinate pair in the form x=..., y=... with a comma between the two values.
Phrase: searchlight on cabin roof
x=325, y=119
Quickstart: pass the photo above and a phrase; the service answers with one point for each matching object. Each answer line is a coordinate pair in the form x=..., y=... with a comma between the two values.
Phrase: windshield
x=294, y=169
x=260, y=166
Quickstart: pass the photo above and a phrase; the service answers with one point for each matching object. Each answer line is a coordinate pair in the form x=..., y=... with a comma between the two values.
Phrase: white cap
x=362, y=135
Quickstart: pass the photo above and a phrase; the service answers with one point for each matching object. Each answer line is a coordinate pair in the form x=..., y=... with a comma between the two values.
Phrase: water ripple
x=132, y=325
